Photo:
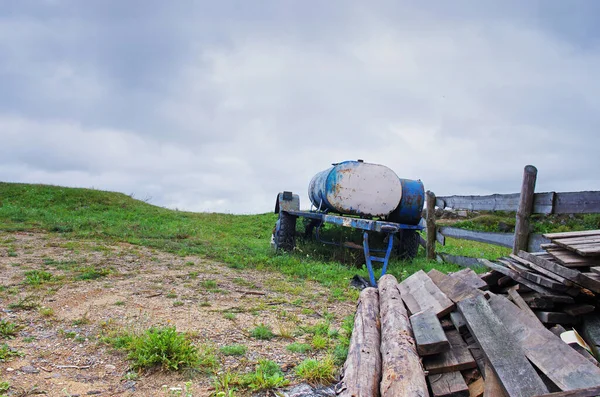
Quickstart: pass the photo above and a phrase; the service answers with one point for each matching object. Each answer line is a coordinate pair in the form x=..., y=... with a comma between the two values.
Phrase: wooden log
x=449, y=384
x=570, y=274
x=516, y=375
x=469, y=277
x=493, y=388
x=361, y=374
x=453, y=287
x=564, y=367
x=431, y=231
x=587, y=392
x=402, y=371
x=458, y=358
x=590, y=329
x=429, y=335
x=518, y=300
x=525, y=209
x=419, y=293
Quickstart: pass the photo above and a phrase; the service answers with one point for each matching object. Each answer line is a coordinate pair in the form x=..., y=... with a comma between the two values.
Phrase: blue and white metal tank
x=367, y=190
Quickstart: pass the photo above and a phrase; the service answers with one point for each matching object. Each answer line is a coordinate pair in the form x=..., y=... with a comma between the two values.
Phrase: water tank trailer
x=359, y=195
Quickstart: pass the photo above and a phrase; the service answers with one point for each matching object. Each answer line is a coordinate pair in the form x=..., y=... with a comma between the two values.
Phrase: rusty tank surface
x=367, y=190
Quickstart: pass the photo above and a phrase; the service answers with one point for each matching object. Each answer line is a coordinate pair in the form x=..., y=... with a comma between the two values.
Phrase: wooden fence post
x=525, y=209
x=430, y=225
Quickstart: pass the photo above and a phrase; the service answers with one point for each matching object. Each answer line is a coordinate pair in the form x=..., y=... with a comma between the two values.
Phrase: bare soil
x=60, y=339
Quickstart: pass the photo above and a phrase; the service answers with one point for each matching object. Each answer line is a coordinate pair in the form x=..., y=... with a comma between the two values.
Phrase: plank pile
x=461, y=334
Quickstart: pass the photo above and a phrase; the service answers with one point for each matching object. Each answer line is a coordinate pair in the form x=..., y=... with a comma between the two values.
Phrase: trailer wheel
x=284, y=234
x=409, y=244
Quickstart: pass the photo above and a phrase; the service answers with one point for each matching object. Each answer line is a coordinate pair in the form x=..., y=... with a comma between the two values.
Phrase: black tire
x=408, y=246
x=284, y=235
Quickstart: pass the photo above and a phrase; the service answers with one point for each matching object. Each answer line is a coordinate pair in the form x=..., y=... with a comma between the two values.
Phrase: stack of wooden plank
x=462, y=334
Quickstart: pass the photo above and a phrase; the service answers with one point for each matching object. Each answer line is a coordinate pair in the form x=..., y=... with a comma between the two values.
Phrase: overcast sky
x=219, y=105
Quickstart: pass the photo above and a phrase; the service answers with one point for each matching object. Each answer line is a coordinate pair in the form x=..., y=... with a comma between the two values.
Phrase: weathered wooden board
x=588, y=392
x=590, y=329
x=362, y=371
x=571, y=259
x=555, y=298
x=553, y=236
x=476, y=351
x=591, y=248
x=561, y=364
x=402, y=372
x=542, y=271
x=595, y=269
x=419, y=293
x=569, y=274
x=429, y=335
x=501, y=239
x=556, y=318
x=542, y=202
x=453, y=287
x=559, y=329
x=458, y=321
x=477, y=388
x=458, y=358
x=450, y=384
x=518, y=300
x=578, y=309
x=534, y=277
x=577, y=203
x=492, y=384
x=469, y=277
x=507, y=360
x=515, y=276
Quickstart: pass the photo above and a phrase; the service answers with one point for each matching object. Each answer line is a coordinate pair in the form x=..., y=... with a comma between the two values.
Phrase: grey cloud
x=217, y=106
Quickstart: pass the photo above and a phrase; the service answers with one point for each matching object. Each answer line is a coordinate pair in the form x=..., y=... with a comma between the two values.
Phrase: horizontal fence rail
x=501, y=239
x=587, y=202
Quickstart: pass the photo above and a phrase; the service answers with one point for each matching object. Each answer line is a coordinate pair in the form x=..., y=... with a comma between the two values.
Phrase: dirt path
x=96, y=289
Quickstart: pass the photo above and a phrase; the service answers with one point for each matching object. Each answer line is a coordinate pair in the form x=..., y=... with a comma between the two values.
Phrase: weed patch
x=9, y=330
x=163, y=347
x=263, y=332
x=233, y=350
x=316, y=371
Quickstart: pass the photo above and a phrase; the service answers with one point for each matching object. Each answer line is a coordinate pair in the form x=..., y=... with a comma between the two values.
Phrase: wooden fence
x=524, y=204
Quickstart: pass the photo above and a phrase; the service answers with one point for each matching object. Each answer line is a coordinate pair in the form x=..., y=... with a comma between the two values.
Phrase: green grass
x=263, y=332
x=9, y=330
x=6, y=353
x=165, y=348
x=297, y=347
x=37, y=277
x=233, y=350
x=316, y=371
x=240, y=241
x=267, y=375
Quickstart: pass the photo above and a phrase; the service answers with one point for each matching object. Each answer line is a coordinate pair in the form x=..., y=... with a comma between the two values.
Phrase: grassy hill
x=237, y=240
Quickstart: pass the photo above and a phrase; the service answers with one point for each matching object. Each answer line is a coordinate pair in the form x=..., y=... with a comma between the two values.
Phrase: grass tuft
x=163, y=347
x=316, y=371
x=263, y=332
x=233, y=350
